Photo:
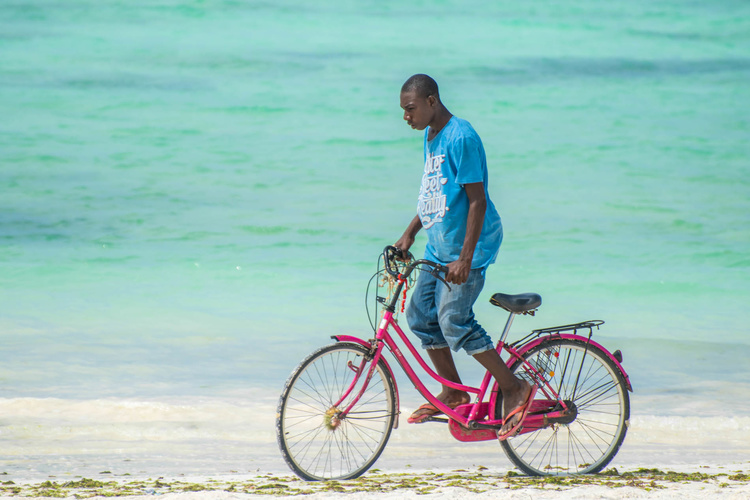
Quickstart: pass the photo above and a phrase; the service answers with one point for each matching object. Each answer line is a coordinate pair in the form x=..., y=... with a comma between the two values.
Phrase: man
x=463, y=233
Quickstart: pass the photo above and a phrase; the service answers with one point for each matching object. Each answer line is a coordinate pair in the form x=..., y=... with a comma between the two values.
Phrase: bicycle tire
x=313, y=447
x=586, y=376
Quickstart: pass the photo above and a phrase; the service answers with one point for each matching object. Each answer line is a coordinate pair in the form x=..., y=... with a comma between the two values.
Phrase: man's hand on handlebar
x=458, y=272
x=404, y=244
x=393, y=252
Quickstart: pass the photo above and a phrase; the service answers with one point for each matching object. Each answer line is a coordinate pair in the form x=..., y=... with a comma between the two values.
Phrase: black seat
x=519, y=304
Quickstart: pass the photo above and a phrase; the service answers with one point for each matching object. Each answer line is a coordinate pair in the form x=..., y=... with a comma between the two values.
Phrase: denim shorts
x=445, y=318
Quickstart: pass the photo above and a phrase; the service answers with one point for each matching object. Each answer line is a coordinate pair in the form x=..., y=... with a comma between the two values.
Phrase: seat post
x=507, y=327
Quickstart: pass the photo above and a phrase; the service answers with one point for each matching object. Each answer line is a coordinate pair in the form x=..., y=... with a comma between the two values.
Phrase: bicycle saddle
x=519, y=304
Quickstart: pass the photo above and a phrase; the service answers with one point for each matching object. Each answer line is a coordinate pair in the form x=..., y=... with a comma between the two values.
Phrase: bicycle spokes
x=330, y=425
x=583, y=430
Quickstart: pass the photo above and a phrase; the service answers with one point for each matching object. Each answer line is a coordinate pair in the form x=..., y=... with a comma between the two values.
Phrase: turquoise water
x=194, y=194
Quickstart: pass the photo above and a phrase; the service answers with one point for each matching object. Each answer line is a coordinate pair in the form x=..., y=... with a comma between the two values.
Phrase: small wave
x=127, y=81
x=37, y=422
x=264, y=229
x=673, y=35
x=523, y=70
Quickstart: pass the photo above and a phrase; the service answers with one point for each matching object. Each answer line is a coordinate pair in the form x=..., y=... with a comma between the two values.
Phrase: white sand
x=218, y=443
x=718, y=485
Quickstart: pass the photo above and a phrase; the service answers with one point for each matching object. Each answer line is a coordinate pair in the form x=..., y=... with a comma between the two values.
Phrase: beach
x=727, y=482
x=222, y=451
x=195, y=195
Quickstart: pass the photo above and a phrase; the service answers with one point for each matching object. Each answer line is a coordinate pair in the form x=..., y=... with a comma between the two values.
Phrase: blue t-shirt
x=453, y=158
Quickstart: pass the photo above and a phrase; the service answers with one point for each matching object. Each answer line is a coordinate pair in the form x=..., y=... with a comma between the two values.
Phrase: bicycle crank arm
x=441, y=420
x=566, y=416
x=535, y=422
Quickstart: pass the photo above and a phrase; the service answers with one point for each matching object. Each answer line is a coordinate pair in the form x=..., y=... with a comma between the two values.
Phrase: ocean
x=194, y=195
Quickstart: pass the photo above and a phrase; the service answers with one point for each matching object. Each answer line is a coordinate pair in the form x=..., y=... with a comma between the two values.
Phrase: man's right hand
x=407, y=239
x=404, y=244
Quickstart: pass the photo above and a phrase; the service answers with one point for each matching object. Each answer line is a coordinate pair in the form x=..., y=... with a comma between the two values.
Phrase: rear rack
x=584, y=325
x=575, y=327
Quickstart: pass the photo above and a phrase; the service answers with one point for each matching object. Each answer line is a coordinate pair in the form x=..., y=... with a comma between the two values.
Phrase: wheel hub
x=331, y=419
x=567, y=416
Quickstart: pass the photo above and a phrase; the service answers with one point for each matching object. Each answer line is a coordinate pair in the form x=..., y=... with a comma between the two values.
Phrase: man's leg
x=421, y=315
x=461, y=330
x=515, y=391
x=442, y=360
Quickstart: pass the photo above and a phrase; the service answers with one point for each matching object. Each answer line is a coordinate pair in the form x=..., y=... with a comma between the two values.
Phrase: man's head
x=420, y=101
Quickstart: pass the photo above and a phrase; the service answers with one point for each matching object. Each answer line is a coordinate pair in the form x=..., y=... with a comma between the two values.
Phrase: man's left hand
x=458, y=272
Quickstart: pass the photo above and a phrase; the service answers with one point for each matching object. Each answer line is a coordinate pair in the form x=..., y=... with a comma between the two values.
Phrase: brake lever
x=435, y=271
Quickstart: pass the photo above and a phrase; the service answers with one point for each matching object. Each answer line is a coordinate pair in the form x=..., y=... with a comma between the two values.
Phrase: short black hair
x=423, y=85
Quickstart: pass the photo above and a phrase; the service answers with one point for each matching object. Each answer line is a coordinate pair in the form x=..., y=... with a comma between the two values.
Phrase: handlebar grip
x=389, y=252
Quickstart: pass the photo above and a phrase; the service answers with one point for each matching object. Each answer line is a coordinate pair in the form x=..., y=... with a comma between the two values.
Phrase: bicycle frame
x=384, y=339
x=466, y=416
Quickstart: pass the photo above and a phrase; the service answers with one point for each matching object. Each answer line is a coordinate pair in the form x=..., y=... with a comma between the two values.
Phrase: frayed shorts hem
x=479, y=350
x=436, y=346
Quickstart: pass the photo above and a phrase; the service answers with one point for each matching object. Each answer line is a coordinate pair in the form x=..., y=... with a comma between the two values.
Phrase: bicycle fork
x=334, y=415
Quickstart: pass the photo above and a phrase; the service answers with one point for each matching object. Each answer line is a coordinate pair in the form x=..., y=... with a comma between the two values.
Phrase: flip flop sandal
x=428, y=410
x=425, y=411
x=523, y=410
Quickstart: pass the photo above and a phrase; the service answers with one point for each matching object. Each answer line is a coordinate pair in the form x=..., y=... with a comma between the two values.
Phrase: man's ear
x=431, y=100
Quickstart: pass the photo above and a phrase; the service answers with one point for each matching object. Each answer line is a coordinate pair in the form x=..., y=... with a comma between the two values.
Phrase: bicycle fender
x=364, y=343
x=571, y=336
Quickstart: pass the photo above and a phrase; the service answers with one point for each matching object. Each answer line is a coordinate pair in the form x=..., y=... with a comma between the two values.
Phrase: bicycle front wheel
x=586, y=379
x=315, y=442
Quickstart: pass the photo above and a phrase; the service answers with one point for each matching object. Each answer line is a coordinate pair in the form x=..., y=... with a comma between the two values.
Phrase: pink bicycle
x=339, y=405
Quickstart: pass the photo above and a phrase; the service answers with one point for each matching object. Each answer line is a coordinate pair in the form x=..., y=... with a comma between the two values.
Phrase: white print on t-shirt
x=432, y=201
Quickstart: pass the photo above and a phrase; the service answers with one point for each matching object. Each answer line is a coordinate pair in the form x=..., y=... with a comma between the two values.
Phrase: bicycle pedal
x=442, y=420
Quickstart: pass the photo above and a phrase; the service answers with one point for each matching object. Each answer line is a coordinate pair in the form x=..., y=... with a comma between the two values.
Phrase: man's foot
x=515, y=408
x=428, y=410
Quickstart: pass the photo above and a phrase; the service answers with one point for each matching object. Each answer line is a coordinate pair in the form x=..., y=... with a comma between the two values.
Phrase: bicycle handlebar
x=390, y=252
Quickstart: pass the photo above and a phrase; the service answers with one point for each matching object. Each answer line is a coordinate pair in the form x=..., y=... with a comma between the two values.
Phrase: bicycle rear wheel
x=584, y=376
x=314, y=442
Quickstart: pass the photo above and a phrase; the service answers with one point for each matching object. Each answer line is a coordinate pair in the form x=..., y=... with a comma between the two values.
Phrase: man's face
x=418, y=111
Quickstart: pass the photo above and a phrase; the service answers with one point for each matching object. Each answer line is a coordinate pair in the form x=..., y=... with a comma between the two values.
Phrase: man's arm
x=458, y=271
x=407, y=239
